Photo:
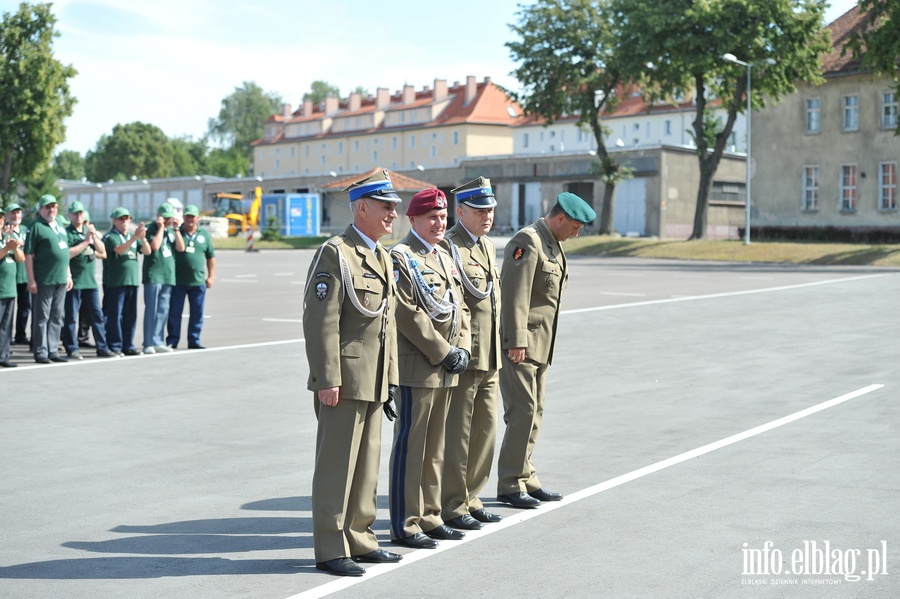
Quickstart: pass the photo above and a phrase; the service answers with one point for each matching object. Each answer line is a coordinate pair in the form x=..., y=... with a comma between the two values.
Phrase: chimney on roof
x=331, y=104
x=409, y=94
x=382, y=98
x=285, y=110
x=355, y=101
x=440, y=89
x=307, y=108
x=487, y=80
x=471, y=88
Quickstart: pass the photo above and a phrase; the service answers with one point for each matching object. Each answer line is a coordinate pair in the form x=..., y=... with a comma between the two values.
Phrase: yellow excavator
x=242, y=213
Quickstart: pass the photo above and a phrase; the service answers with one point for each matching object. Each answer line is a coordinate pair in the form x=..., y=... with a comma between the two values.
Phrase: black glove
x=456, y=361
x=389, y=404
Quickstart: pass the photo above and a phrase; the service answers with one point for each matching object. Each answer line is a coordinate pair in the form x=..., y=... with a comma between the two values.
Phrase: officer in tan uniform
x=351, y=346
x=533, y=278
x=472, y=421
x=433, y=348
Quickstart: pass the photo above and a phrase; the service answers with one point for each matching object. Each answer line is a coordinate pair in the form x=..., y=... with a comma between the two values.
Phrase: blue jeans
x=120, y=308
x=196, y=297
x=91, y=299
x=156, y=313
x=47, y=319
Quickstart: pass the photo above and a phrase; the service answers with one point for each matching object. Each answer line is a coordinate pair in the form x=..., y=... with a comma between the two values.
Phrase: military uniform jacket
x=346, y=348
x=533, y=276
x=479, y=267
x=424, y=342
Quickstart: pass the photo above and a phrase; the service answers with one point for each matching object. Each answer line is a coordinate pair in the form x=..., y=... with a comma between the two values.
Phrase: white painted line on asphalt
x=410, y=558
x=236, y=281
x=282, y=320
x=726, y=294
x=247, y=276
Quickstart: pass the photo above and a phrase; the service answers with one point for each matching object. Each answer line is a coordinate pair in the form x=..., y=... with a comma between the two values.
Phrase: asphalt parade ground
x=719, y=430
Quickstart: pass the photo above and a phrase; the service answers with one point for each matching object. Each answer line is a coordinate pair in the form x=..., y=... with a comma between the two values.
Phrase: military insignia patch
x=324, y=274
x=369, y=275
x=321, y=290
x=396, y=276
x=518, y=253
x=440, y=202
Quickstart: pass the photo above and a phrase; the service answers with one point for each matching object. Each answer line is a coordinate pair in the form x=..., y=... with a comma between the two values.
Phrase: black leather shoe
x=7, y=364
x=417, y=541
x=520, y=500
x=444, y=533
x=58, y=358
x=379, y=556
x=42, y=360
x=341, y=566
x=464, y=522
x=196, y=346
x=482, y=515
x=86, y=344
x=544, y=495
x=134, y=352
x=106, y=354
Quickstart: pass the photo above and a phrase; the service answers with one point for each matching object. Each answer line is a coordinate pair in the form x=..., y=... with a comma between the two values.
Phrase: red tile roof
x=837, y=62
x=401, y=182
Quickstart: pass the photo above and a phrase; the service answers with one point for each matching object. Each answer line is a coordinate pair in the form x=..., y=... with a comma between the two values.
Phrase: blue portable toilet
x=296, y=214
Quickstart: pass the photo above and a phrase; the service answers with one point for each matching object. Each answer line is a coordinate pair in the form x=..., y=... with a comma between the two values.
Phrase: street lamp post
x=733, y=58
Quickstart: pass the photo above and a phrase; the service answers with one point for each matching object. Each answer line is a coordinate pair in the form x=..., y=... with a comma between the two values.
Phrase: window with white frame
x=456, y=137
x=811, y=187
x=813, y=115
x=851, y=113
x=524, y=140
x=888, y=110
x=668, y=127
x=887, y=186
x=340, y=147
x=848, y=187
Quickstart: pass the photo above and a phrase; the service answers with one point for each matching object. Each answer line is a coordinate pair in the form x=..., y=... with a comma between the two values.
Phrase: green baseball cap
x=120, y=212
x=76, y=207
x=191, y=210
x=166, y=211
x=12, y=207
x=46, y=200
x=87, y=215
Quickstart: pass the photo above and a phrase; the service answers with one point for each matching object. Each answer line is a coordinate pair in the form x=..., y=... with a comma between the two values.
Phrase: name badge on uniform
x=190, y=249
x=166, y=252
x=200, y=239
x=62, y=245
x=131, y=255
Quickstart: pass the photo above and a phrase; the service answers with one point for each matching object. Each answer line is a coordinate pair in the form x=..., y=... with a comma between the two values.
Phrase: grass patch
x=735, y=251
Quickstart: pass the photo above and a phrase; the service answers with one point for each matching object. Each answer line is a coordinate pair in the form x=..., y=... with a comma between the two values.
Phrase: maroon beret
x=426, y=201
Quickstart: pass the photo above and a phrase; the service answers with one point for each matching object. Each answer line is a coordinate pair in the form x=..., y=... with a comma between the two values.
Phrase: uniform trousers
x=345, y=480
x=7, y=309
x=23, y=311
x=196, y=298
x=120, y=310
x=522, y=387
x=417, y=460
x=76, y=299
x=156, y=313
x=471, y=435
x=47, y=319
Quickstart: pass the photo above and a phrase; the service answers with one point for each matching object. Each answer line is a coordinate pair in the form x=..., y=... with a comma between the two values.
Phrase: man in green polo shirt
x=164, y=238
x=85, y=247
x=195, y=272
x=47, y=266
x=121, y=277
x=10, y=256
x=23, y=303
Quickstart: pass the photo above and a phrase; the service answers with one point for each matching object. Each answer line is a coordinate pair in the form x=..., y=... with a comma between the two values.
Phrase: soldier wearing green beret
x=532, y=279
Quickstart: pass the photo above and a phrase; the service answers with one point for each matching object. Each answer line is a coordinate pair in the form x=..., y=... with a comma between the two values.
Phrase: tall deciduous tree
x=319, y=90
x=69, y=164
x=568, y=66
x=134, y=150
x=34, y=93
x=242, y=117
x=684, y=42
x=877, y=46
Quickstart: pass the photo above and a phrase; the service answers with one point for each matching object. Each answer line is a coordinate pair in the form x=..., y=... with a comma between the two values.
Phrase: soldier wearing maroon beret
x=433, y=347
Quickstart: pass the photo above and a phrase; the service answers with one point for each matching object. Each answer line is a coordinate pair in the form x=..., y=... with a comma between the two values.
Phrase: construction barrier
x=250, y=240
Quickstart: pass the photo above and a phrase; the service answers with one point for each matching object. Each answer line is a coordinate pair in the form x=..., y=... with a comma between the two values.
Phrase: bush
x=869, y=235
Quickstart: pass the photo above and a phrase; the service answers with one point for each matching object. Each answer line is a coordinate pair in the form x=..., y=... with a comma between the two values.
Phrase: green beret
x=576, y=208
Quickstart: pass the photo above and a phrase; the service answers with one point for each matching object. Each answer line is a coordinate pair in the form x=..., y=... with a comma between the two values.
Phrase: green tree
x=69, y=164
x=40, y=182
x=227, y=163
x=683, y=42
x=319, y=90
x=134, y=150
x=188, y=156
x=363, y=92
x=34, y=93
x=567, y=65
x=877, y=44
x=241, y=117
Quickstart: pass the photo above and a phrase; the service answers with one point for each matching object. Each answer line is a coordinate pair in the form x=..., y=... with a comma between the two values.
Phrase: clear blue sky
x=171, y=62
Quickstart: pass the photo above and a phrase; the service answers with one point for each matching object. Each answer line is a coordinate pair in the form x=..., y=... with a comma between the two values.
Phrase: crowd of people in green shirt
x=49, y=271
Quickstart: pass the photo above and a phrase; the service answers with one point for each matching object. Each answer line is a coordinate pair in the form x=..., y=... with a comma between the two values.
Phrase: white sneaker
x=149, y=350
x=162, y=349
